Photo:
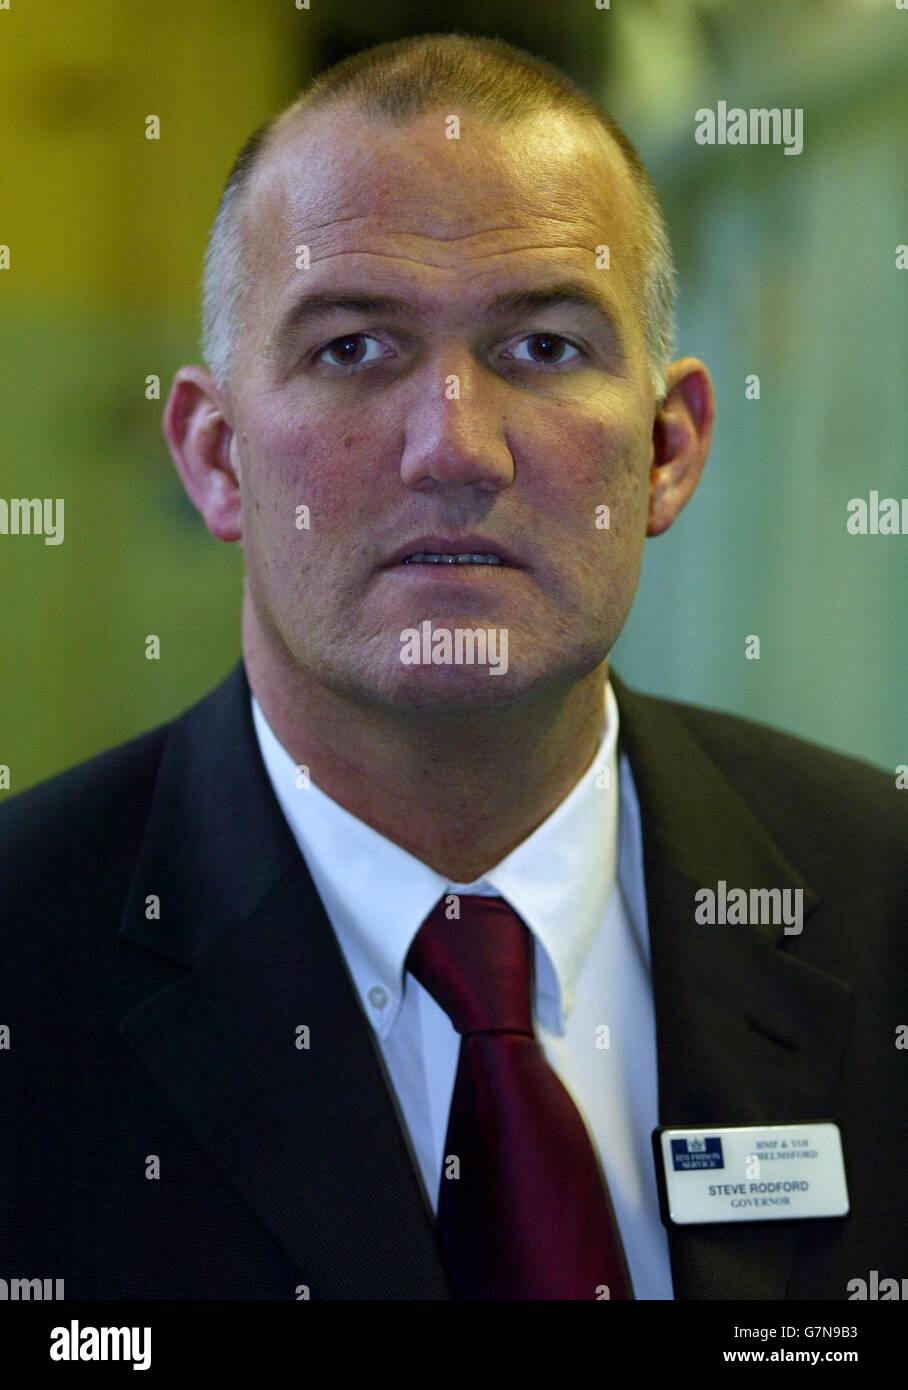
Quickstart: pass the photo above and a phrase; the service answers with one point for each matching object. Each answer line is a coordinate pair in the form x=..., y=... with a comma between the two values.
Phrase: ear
x=203, y=448
x=682, y=430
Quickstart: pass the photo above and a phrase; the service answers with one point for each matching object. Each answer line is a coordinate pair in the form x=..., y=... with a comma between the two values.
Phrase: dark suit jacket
x=283, y=1166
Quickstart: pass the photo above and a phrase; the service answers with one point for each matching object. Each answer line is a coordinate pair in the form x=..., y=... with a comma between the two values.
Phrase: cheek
x=583, y=464
x=291, y=464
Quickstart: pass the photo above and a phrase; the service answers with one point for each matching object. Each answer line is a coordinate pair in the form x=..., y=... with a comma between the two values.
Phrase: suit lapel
x=746, y=1033
x=308, y=1134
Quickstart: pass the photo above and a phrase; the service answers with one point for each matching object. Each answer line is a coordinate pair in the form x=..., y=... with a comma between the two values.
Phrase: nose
x=455, y=431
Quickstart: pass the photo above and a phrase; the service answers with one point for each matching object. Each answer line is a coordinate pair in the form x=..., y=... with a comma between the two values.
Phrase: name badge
x=750, y=1173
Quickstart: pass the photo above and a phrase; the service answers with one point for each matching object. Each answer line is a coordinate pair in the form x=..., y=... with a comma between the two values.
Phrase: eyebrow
x=512, y=304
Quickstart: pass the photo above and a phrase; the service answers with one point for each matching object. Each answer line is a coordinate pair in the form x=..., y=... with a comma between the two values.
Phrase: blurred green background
x=787, y=269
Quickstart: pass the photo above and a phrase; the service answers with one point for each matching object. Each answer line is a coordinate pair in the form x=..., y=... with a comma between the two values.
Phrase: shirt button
x=378, y=997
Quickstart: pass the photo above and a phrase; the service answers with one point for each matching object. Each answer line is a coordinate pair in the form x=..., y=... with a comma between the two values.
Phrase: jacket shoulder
x=812, y=796
x=67, y=841
x=736, y=741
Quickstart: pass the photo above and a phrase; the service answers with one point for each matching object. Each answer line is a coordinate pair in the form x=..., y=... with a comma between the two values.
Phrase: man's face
x=444, y=415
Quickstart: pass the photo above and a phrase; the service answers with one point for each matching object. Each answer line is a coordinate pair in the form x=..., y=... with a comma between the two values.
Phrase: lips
x=453, y=545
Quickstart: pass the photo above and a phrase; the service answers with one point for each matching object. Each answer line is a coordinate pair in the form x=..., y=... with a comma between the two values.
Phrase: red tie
x=529, y=1215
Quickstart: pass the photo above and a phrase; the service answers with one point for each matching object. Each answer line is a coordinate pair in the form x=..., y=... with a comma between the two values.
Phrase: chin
x=455, y=689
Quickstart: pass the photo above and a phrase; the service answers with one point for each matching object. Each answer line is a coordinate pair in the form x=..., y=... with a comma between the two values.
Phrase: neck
x=457, y=791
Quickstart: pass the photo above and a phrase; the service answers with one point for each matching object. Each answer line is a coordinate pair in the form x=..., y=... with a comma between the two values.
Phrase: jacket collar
x=745, y=1032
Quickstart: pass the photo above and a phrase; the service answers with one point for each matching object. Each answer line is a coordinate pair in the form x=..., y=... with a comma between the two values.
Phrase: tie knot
x=476, y=966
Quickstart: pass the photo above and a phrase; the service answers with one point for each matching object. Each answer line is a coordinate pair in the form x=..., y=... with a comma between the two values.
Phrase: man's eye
x=348, y=350
x=546, y=349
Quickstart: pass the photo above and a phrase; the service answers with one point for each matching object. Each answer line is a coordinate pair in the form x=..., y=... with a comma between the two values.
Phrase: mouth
x=459, y=552
x=442, y=558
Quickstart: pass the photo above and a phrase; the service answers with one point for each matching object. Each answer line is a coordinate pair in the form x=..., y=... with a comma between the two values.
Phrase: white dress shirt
x=584, y=903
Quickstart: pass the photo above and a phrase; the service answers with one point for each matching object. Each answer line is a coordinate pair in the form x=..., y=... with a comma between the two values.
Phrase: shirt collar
x=377, y=894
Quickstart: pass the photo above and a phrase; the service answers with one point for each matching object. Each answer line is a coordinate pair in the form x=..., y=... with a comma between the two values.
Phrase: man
x=372, y=975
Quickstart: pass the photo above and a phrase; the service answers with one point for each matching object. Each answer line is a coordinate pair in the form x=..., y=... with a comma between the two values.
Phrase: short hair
x=399, y=80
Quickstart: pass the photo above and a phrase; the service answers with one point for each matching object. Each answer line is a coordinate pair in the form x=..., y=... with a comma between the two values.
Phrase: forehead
x=385, y=200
